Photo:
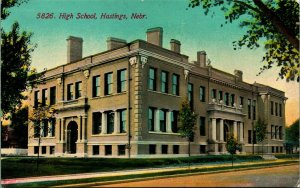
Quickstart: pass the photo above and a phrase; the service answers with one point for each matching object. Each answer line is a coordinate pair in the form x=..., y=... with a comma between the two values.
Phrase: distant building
x=125, y=101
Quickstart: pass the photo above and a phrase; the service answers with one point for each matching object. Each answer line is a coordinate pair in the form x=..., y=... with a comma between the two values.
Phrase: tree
x=38, y=116
x=292, y=134
x=187, y=120
x=16, y=71
x=19, y=125
x=272, y=23
x=232, y=146
x=261, y=132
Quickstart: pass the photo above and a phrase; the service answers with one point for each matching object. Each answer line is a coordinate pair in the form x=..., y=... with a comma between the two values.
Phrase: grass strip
x=137, y=177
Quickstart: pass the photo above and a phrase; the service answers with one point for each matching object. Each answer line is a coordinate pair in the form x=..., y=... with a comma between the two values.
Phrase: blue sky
x=195, y=31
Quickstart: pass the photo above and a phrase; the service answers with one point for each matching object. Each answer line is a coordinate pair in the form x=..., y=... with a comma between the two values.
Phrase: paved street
x=285, y=176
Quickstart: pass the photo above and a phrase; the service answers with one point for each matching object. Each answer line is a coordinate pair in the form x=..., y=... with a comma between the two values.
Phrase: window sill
x=105, y=135
x=164, y=133
x=168, y=94
x=111, y=95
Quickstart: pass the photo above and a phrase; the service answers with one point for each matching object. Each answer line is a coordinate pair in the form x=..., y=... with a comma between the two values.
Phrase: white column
x=59, y=130
x=156, y=122
x=79, y=129
x=62, y=129
x=104, y=123
x=213, y=128
x=235, y=129
x=221, y=130
x=241, y=131
x=84, y=125
x=169, y=121
x=117, y=122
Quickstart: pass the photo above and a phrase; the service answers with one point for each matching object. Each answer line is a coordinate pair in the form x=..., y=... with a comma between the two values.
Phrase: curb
x=170, y=176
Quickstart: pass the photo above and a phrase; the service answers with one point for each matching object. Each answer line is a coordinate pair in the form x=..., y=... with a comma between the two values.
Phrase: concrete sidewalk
x=129, y=172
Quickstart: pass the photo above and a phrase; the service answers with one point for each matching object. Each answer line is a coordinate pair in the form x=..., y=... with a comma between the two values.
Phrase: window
x=280, y=132
x=164, y=149
x=276, y=109
x=122, y=121
x=213, y=93
x=70, y=92
x=174, y=121
x=36, y=149
x=121, y=149
x=97, y=123
x=175, y=149
x=254, y=109
x=108, y=150
x=202, y=149
x=121, y=80
x=220, y=95
x=152, y=149
x=52, y=150
x=280, y=110
x=151, y=119
x=96, y=150
x=44, y=149
x=162, y=120
x=175, y=84
x=273, y=149
x=281, y=149
x=36, y=131
x=190, y=94
x=36, y=98
x=45, y=128
x=249, y=108
x=52, y=128
x=272, y=131
x=96, y=86
x=202, y=94
x=78, y=90
x=249, y=136
x=272, y=108
x=110, y=122
x=44, y=97
x=254, y=137
x=276, y=132
x=108, y=83
x=52, y=95
x=164, y=81
x=202, y=126
x=232, y=99
x=241, y=101
x=152, y=79
x=227, y=99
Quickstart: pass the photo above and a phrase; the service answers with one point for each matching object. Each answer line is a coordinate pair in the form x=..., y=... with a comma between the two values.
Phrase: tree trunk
x=232, y=160
x=37, y=161
x=189, y=149
x=273, y=18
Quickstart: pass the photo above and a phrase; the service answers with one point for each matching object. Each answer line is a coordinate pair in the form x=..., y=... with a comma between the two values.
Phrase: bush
x=287, y=156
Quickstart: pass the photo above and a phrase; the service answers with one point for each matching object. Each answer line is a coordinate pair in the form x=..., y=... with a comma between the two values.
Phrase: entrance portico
x=224, y=121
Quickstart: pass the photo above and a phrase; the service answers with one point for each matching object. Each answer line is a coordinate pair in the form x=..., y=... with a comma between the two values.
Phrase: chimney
x=155, y=36
x=74, y=51
x=201, y=58
x=239, y=75
x=113, y=43
x=175, y=45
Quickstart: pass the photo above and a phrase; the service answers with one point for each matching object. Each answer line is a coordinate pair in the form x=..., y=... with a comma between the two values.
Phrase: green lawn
x=136, y=177
x=25, y=167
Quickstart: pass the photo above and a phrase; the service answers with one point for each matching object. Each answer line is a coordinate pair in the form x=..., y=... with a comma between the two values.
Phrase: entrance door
x=72, y=136
x=226, y=132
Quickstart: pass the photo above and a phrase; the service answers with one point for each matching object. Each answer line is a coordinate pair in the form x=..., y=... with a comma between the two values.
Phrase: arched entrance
x=72, y=137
